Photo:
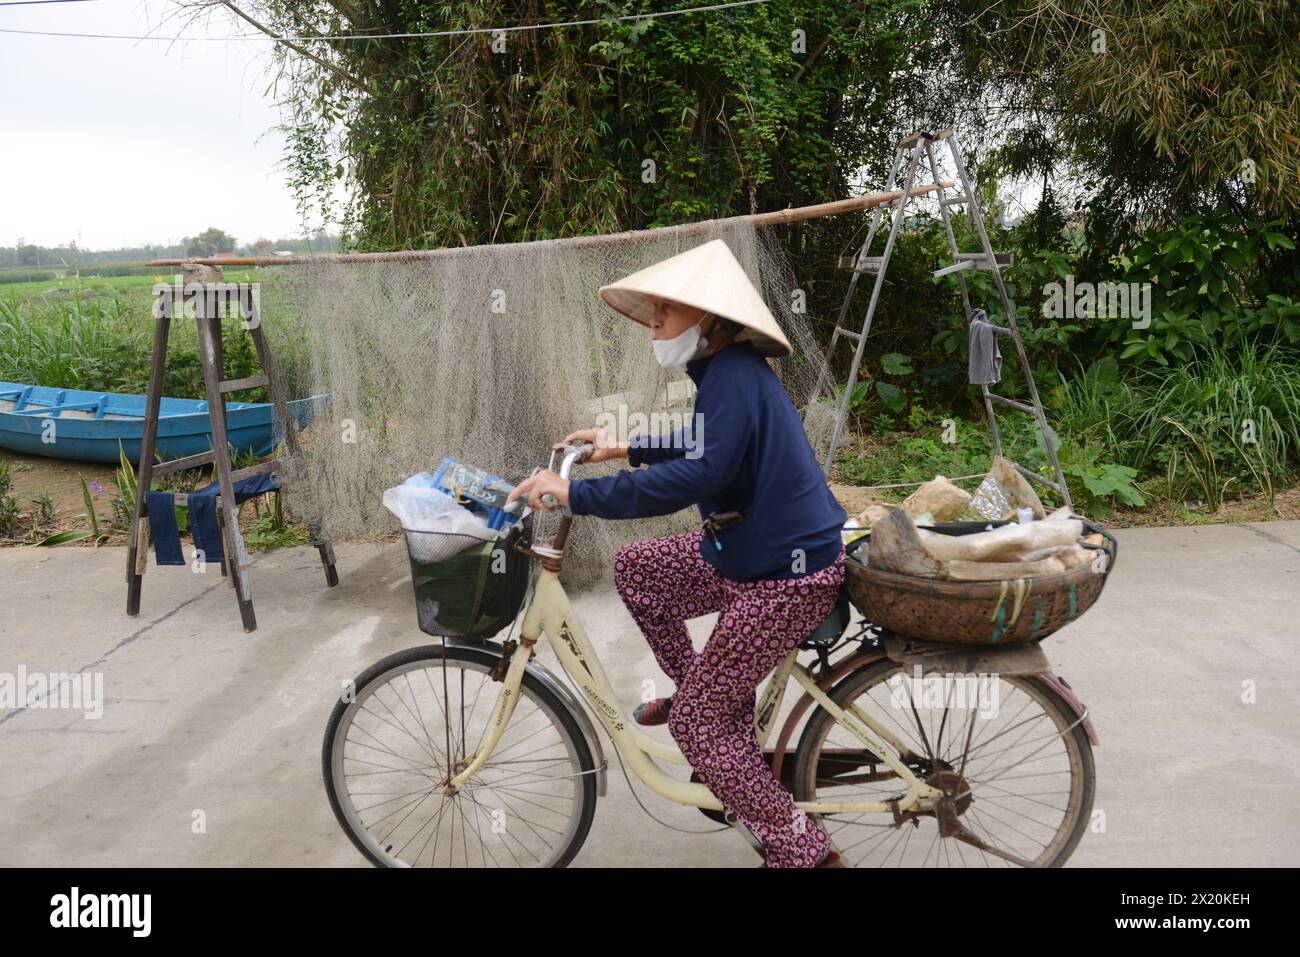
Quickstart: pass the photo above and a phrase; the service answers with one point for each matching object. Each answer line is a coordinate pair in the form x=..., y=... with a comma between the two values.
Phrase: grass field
x=89, y=287
x=96, y=333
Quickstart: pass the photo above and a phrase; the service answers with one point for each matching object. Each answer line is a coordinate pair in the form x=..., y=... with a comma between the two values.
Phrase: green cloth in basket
x=474, y=593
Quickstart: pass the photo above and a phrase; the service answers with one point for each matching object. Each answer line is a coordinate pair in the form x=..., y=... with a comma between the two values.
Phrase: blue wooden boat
x=87, y=426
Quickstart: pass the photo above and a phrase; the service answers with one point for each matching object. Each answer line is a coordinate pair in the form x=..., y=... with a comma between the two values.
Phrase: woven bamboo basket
x=977, y=613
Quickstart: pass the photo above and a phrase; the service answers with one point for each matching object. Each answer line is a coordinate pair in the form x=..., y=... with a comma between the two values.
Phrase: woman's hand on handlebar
x=606, y=448
x=535, y=486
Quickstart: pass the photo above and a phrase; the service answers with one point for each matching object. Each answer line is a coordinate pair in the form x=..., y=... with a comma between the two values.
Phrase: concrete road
x=1189, y=664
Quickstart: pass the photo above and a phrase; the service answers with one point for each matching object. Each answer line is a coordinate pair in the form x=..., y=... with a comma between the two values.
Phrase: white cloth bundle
x=1046, y=546
x=1008, y=543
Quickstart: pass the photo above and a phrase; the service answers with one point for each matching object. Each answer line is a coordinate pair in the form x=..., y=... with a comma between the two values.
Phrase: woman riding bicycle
x=772, y=562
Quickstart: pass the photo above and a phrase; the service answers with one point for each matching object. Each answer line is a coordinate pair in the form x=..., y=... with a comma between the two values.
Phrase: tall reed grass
x=105, y=344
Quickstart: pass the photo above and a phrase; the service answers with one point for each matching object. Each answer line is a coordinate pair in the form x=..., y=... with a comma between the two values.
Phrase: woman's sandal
x=653, y=712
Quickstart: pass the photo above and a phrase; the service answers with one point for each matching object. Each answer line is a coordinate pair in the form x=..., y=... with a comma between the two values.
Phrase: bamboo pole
x=778, y=217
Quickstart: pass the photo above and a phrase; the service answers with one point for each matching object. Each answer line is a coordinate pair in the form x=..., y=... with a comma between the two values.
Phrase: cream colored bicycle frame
x=551, y=613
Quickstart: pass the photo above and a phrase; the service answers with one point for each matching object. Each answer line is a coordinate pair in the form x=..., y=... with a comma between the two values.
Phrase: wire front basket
x=429, y=547
x=466, y=587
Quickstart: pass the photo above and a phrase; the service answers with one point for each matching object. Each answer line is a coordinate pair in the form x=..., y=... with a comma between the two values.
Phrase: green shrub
x=9, y=508
x=1210, y=289
x=1224, y=422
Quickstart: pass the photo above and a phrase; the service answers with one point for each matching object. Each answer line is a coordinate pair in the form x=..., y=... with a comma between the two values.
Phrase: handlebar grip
x=549, y=500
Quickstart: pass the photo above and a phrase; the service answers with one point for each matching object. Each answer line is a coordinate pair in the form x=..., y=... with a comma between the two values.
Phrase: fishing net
x=489, y=354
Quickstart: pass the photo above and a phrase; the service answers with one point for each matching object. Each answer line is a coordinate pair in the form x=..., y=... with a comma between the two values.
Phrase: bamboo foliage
x=1164, y=106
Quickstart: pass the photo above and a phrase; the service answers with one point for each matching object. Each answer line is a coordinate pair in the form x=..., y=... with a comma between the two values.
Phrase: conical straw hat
x=710, y=278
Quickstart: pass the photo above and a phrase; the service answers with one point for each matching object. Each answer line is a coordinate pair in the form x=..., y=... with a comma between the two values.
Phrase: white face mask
x=674, y=353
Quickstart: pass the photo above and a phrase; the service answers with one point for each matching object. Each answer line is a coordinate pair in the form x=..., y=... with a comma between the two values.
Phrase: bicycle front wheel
x=1010, y=755
x=406, y=729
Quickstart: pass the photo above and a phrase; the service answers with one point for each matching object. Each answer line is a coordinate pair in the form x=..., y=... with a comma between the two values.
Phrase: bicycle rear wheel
x=1015, y=764
x=413, y=718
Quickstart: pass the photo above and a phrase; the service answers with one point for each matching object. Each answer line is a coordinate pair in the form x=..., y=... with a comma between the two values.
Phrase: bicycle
x=876, y=775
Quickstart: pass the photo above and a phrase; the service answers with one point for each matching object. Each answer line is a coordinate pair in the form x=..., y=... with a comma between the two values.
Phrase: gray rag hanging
x=985, y=354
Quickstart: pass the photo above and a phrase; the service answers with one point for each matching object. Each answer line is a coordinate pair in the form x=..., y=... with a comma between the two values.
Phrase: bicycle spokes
x=1016, y=781
x=411, y=731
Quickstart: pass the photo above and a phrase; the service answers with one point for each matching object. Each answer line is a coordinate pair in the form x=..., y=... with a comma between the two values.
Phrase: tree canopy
x=498, y=137
x=1161, y=107
x=209, y=242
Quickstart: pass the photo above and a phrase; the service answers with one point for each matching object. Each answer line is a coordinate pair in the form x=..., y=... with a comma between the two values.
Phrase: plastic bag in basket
x=436, y=526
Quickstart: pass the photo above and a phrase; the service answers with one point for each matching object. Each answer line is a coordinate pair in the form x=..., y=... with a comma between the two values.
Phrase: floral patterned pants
x=665, y=581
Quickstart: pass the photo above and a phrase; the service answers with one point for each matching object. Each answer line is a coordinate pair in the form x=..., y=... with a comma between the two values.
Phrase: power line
x=32, y=3
x=377, y=36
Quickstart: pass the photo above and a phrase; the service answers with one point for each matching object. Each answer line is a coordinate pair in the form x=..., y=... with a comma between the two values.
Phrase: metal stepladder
x=234, y=564
x=908, y=151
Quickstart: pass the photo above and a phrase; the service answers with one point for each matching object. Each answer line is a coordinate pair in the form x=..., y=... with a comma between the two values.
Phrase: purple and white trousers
x=665, y=581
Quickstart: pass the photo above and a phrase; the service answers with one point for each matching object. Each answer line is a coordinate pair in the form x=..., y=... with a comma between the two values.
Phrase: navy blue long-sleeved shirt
x=744, y=450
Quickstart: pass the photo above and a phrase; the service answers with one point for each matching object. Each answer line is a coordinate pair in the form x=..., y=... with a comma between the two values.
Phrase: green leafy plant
x=1209, y=289
x=10, y=511
x=895, y=363
x=1204, y=467
x=99, y=536
x=63, y=538
x=90, y=507
x=123, y=503
x=1105, y=481
x=45, y=510
x=891, y=396
x=270, y=530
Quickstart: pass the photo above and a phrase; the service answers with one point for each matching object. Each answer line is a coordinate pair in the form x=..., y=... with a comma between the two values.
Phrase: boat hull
x=89, y=426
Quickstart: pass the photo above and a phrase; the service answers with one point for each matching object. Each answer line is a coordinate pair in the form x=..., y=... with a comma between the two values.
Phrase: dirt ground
x=34, y=474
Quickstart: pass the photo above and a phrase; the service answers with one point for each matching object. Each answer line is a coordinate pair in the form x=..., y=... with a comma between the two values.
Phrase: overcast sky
x=117, y=142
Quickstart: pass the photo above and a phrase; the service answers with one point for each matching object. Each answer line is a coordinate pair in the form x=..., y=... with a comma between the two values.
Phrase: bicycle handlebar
x=572, y=455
